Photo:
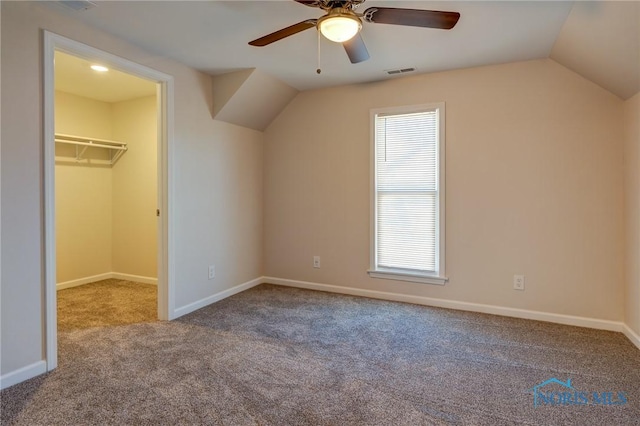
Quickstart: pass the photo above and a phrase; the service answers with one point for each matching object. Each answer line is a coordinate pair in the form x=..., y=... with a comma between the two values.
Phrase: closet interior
x=106, y=176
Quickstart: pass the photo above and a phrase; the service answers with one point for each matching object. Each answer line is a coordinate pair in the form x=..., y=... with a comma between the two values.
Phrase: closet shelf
x=116, y=148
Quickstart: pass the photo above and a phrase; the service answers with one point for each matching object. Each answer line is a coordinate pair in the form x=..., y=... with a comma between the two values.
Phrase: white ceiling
x=212, y=36
x=74, y=75
x=601, y=41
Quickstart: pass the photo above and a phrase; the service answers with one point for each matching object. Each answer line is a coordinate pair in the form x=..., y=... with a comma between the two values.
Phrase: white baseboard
x=216, y=297
x=631, y=335
x=453, y=304
x=106, y=276
x=22, y=374
x=136, y=278
x=83, y=281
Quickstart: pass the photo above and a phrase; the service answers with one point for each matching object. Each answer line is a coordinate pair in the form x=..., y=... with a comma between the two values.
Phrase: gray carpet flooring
x=278, y=356
x=106, y=303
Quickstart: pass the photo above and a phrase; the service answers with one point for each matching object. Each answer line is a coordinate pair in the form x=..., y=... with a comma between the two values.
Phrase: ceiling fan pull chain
x=318, y=70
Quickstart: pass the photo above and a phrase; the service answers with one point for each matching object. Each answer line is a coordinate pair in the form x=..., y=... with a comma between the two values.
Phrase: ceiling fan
x=342, y=24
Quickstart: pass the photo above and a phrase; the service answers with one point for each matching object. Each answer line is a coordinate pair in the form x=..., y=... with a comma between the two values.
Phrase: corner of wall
x=632, y=212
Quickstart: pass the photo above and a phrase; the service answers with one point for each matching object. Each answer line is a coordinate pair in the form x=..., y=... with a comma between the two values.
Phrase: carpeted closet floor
x=106, y=303
x=281, y=356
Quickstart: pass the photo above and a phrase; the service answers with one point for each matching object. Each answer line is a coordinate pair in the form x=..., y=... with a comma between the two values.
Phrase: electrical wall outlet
x=212, y=271
x=316, y=261
x=518, y=282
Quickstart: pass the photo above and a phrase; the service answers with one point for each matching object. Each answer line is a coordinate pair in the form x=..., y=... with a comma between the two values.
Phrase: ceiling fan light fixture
x=339, y=25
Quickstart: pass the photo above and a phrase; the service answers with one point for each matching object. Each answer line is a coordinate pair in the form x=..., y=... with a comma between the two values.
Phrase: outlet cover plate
x=518, y=282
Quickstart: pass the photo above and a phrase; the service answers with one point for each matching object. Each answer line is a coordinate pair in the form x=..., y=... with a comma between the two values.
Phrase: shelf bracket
x=79, y=141
x=80, y=154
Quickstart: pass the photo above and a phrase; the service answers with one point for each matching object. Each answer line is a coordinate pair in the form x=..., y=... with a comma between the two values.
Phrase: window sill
x=407, y=276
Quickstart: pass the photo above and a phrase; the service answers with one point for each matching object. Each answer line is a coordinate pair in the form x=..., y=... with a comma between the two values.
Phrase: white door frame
x=166, y=306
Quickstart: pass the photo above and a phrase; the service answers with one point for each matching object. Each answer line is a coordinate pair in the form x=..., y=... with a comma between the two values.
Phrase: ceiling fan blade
x=356, y=49
x=283, y=33
x=412, y=17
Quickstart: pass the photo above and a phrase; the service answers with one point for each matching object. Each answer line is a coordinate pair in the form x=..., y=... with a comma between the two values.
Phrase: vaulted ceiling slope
x=601, y=42
x=598, y=40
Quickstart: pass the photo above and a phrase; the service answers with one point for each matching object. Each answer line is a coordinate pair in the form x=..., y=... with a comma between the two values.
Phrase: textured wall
x=534, y=186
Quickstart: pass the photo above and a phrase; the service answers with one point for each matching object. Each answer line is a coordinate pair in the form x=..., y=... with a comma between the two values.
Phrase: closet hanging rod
x=60, y=137
x=122, y=146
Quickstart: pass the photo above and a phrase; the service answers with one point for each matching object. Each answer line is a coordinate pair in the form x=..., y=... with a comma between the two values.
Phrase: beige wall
x=533, y=186
x=105, y=217
x=219, y=207
x=217, y=173
x=76, y=115
x=632, y=211
x=135, y=188
x=83, y=192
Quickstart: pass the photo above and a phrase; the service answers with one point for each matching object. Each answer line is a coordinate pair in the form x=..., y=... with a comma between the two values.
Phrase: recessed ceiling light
x=99, y=68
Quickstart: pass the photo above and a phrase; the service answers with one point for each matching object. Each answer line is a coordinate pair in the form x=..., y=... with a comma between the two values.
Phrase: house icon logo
x=537, y=388
x=564, y=394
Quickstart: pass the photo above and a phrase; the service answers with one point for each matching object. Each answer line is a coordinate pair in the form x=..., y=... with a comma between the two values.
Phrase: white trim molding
x=187, y=309
x=631, y=335
x=83, y=281
x=135, y=278
x=52, y=43
x=453, y=304
x=21, y=374
x=403, y=276
x=51, y=319
x=106, y=276
x=166, y=240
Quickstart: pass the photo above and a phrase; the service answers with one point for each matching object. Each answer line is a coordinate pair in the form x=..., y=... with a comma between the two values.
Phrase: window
x=407, y=206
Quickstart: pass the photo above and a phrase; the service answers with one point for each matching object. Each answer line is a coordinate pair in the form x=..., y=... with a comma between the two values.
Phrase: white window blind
x=407, y=192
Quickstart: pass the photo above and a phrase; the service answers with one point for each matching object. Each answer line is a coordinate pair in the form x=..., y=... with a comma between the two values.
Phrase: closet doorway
x=107, y=127
x=105, y=195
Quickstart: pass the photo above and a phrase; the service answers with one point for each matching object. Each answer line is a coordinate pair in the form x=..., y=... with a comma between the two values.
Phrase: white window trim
x=438, y=278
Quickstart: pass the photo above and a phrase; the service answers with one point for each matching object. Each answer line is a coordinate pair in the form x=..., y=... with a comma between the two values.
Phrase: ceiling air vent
x=400, y=71
x=78, y=5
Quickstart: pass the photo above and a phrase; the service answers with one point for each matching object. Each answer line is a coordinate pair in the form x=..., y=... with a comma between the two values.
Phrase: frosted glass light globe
x=340, y=28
